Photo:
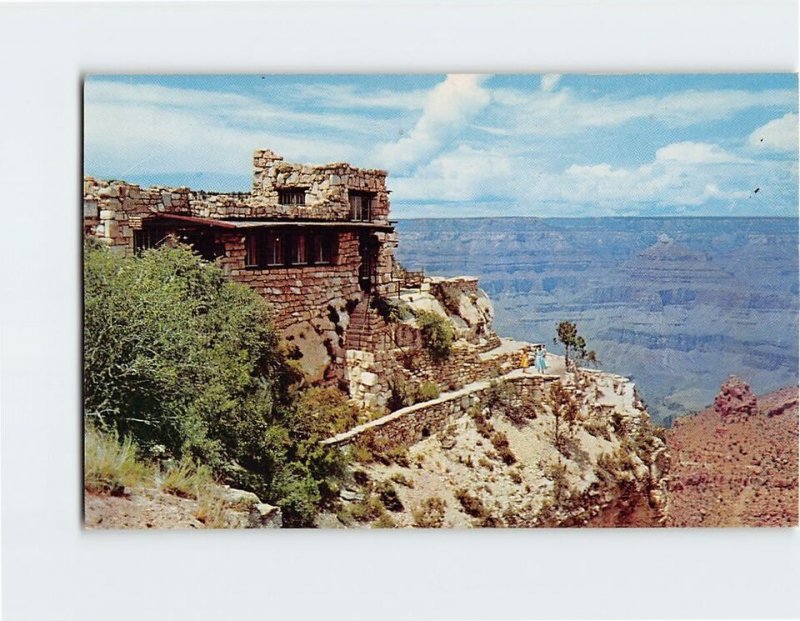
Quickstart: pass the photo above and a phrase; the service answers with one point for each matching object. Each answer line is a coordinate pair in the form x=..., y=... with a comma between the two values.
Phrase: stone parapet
x=409, y=425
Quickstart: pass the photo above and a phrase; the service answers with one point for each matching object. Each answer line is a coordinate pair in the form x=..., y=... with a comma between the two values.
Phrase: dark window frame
x=292, y=196
x=361, y=205
x=321, y=249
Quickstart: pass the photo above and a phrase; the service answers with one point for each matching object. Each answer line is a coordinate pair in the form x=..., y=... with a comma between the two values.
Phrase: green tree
x=567, y=335
x=188, y=364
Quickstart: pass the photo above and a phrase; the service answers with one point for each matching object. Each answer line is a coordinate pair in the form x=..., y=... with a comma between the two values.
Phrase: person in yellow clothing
x=523, y=360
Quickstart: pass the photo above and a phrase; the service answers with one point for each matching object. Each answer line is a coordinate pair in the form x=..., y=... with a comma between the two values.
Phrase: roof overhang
x=265, y=224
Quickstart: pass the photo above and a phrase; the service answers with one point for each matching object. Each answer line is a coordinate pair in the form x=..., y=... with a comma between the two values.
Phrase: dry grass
x=111, y=465
x=212, y=511
x=186, y=479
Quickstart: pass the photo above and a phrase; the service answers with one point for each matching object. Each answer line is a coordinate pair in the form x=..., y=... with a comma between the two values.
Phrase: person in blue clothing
x=539, y=362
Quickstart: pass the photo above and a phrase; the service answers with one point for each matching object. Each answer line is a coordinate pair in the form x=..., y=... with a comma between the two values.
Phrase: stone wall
x=311, y=305
x=414, y=423
x=328, y=185
x=368, y=373
x=113, y=209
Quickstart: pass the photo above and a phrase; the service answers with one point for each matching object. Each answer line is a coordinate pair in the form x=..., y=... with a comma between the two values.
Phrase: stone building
x=317, y=243
x=314, y=240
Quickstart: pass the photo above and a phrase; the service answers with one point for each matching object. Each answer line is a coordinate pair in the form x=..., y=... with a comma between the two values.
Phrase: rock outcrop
x=733, y=465
x=735, y=401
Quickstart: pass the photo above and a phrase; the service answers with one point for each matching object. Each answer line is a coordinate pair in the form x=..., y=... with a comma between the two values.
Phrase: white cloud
x=680, y=174
x=518, y=151
x=777, y=135
x=451, y=105
x=696, y=153
x=463, y=174
x=681, y=177
x=549, y=81
x=346, y=96
x=144, y=128
x=121, y=140
x=563, y=112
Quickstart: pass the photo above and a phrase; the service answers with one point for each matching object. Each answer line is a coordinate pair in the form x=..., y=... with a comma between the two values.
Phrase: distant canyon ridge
x=677, y=304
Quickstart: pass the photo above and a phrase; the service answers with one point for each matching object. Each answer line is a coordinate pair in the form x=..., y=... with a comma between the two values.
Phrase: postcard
x=440, y=301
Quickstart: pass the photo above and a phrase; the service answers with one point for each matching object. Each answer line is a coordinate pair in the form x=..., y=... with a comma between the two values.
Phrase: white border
x=53, y=570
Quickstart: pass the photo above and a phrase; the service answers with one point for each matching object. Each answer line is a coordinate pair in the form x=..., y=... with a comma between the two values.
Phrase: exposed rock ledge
x=141, y=507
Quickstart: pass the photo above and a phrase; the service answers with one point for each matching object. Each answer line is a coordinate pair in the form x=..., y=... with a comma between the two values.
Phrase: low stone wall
x=368, y=373
x=414, y=423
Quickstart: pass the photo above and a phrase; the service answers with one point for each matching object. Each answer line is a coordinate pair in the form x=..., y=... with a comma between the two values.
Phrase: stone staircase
x=367, y=329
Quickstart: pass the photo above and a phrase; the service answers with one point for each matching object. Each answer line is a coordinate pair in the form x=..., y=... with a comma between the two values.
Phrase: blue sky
x=469, y=145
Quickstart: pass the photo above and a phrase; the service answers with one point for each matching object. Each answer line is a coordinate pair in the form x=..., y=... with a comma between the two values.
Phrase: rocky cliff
x=579, y=453
x=736, y=463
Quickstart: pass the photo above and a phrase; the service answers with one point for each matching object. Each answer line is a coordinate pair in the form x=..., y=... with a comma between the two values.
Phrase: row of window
x=361, y=203
x=278, y=249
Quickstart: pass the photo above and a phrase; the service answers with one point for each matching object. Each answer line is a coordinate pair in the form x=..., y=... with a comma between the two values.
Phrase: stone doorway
x=368, y=249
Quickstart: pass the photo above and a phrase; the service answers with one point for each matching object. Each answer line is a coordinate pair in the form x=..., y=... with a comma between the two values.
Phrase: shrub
x=384, y=521
x=598, y=428
x=368, y=509
x=607, y=463
x=398, y=455
x=212, y=512
x=430, y=513
x=484, y=427
x=370, y=447
x=472, y=504
x=187, y=479
x=427, y=391
x=111, y=465
x=451, y=298
x=324, y=412
x=497, y=394
x=390, y=310
x=402, y=393
x=515, y=476
x=558, y=474
x=500, y=442
x=437, y=335
x=388, y=496
x=187, y=363
x=565, y=410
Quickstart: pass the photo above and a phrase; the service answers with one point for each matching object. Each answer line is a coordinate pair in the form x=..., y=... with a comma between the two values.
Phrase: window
x=360, y=206
x=299, y=250
x=274, y=249
x=251, y=257
x=284, y=249
x=323, y=250
x=295, y=196
x=144, y=239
